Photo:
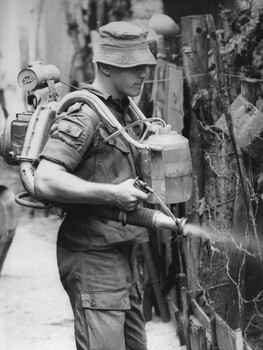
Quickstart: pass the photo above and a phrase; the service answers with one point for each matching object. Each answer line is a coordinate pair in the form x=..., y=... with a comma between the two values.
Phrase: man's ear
x=104, y=68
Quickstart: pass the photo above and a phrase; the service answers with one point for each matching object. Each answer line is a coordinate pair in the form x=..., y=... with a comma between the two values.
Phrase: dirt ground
x=34, y=309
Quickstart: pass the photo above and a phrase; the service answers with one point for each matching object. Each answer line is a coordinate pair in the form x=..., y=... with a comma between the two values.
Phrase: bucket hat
x=123, y=44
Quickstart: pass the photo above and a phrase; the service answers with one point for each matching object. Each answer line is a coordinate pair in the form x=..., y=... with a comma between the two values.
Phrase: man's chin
x=136, y=92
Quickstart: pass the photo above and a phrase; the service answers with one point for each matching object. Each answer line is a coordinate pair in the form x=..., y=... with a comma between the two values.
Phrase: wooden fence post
x=186, y=313
x=155, y=282
x=195, y=64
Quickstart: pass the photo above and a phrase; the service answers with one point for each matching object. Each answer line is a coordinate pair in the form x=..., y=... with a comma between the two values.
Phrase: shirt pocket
x=74, y=134
x=70, y=129
x=106, y=300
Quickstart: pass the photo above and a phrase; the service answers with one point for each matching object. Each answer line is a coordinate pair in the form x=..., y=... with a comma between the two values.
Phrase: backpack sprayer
x=166, y=165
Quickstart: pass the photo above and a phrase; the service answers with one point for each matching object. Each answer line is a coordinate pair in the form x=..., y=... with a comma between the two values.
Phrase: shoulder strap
x=73, y=102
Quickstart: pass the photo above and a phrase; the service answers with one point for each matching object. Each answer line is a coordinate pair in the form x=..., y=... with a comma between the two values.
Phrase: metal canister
x=169, y=172
x=35, y=77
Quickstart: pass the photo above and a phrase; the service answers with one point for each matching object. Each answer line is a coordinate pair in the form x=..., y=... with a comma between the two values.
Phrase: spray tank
x=166, y=165
x=169, y=171
x=25, y=134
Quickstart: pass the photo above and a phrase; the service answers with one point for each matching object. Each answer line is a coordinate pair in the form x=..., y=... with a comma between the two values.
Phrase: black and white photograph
x=131, y=174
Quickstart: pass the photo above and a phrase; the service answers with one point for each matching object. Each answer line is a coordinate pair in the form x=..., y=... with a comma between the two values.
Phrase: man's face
x=128, y=81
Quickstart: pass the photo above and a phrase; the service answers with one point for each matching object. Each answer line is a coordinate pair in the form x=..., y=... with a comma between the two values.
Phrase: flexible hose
x=142, y=217
x=137, y=122
x=95, y=103
x=26, y=200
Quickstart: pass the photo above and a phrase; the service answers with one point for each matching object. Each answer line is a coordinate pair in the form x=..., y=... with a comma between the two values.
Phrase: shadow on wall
x=8, y=219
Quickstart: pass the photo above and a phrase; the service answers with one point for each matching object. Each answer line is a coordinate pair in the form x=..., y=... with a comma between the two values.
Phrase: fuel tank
x=168, y=172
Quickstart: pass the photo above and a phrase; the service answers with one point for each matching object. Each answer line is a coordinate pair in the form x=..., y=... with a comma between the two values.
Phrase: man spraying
x=81, y=168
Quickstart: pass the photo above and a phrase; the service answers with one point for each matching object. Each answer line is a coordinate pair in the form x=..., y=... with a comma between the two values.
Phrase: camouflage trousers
x=106, y=298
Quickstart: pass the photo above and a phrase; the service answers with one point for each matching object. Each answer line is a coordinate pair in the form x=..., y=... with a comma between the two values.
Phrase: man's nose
x=142, y=71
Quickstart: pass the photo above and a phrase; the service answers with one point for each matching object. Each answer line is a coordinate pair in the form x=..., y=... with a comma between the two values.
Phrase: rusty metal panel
x=197, y=334
x=247, y=125
x=167, y=94
x=173, y=104
x=226, y=337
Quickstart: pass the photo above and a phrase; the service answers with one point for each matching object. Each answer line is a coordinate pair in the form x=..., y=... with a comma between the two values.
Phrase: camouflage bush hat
x=123, y=44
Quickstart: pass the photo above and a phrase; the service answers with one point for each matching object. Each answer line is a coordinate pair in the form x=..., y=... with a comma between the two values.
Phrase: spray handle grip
x=141, y=185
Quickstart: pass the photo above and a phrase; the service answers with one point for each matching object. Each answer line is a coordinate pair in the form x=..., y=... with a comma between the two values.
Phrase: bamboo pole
x=155, y=282
x=229, y=121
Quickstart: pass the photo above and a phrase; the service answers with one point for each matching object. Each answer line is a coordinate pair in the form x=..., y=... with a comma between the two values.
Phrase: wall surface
x=31, y=30
x=36, y=30
x=179, y=8
x=143, y=10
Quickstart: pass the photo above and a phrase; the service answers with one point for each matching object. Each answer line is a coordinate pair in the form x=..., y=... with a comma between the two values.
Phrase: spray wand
x=141, y=185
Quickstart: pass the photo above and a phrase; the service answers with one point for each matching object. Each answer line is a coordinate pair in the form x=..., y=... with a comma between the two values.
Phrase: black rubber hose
x=143, y=217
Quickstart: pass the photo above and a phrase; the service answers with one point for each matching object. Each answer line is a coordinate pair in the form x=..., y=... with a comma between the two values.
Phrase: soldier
x=96, y=257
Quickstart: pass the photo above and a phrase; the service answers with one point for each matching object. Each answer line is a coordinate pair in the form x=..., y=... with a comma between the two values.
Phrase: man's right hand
x=127, y=196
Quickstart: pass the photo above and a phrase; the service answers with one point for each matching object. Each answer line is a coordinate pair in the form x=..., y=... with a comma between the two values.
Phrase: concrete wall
x=143, y=10
x=10, y=54
x=32, y=30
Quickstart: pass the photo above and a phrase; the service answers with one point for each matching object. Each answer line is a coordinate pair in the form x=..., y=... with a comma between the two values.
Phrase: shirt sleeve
x=70, y=137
